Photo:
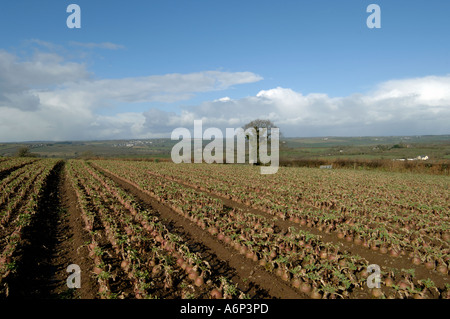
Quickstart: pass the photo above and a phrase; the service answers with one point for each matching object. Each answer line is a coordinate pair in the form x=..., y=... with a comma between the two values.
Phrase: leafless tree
x=257, y=124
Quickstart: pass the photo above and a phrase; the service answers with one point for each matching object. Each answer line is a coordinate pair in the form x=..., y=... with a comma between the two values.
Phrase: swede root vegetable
x=97, y=260
x=97, y=270
x=446, y=237
x=416, y=261
x=403, y=285
x=193, y=275
x=180, y=261
x=393, y=252
x=5, y=260
x=315, y=294
x=216, y=294
x=285, y=275
x=430, y=265
x=139, y=295
x=92, y=246
x=279, y=272
x=376, y=292
x=188, y=268
x=363, y=273
x=305, y=288
x=296, y=283
x=124, y=265
x=273, y=254
x=213, y=230
x=156, y=270
x=199, y=281
x=323, y=255
x=442, y=269
x=103, y=289
x=249, y=254
x=389, y=282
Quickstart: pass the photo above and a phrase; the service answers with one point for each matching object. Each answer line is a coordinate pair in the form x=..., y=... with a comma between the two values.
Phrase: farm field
x=140, y=229
x=437, y=147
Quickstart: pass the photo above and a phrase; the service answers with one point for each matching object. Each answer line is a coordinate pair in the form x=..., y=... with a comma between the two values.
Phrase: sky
x=140, y=69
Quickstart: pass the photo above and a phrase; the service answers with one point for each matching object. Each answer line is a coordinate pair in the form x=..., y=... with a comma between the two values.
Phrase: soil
x=54, y=240
x=57, y=238
x=374, y=257
x=248, y=275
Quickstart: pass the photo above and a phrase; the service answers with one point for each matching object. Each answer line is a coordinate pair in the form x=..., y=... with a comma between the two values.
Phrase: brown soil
x=374, y=257
x=75, y=243
x=54, y=240
x=248, y=275
x=57, y=238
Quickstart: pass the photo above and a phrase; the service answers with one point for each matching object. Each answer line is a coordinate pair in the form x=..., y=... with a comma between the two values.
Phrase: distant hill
x=436, y=147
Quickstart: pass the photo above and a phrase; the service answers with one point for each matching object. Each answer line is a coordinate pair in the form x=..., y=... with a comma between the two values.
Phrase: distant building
x=418, y=158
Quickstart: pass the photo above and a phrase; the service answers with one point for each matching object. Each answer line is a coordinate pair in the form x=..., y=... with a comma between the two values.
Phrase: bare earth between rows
x=374, y=257
x=246, y=270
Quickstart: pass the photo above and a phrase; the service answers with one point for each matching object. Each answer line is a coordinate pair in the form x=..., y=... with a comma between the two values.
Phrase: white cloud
x=397, y=107
x=430, y=90
x=156, y=88
x=41, y=70
x=223, y=99
x=48, y=98
x=19, y=79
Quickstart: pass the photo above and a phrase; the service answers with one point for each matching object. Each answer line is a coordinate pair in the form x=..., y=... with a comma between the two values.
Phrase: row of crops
x=321, y=269
x=136, y=253
x=20, y=194
x=139, y=250
x=394, y=213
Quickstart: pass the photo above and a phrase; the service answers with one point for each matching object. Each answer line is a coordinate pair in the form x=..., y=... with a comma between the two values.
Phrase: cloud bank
x=397, y=107
x=48, y=98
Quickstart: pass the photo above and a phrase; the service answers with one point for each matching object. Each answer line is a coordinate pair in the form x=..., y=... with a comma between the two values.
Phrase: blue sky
x=319, y=55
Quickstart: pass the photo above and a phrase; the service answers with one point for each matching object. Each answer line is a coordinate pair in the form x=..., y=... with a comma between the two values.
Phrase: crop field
x=158, y=230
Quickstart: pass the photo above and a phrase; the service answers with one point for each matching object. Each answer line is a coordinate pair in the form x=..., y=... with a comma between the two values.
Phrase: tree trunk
x=257, y=146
